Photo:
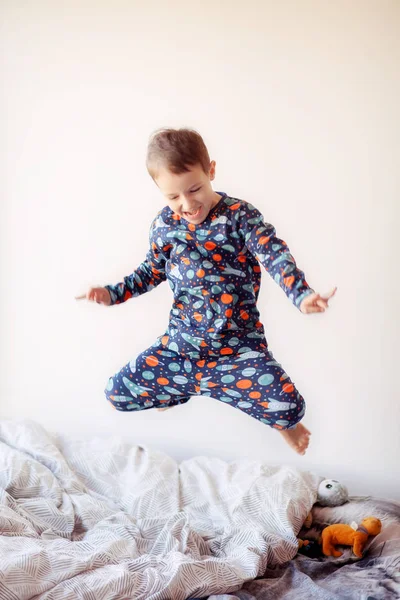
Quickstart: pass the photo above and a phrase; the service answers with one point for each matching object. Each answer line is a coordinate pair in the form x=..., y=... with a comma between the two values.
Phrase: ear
x=211, y=173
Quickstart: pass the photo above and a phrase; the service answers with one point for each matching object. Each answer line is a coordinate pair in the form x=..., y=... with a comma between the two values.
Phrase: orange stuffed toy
x=346, y=535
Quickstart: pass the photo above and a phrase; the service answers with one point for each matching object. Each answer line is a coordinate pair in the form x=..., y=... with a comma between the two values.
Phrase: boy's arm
x=273, y=253
x=148, y=275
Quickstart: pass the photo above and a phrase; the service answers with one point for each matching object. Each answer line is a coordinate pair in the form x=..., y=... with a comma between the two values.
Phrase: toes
x=300, y=448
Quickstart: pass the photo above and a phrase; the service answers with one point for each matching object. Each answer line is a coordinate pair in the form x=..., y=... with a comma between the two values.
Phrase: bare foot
x=298, y=438
x=164, y=408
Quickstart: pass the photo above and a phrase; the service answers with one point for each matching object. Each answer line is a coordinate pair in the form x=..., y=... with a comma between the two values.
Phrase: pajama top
x=213, y=269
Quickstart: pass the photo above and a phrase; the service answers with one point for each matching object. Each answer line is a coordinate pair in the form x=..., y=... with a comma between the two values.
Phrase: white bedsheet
x=103, y=519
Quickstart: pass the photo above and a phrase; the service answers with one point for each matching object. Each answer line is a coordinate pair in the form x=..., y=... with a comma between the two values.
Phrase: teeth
x=193, y=212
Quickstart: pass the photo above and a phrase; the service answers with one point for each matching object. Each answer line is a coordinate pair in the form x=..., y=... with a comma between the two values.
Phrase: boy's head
x=179, y=163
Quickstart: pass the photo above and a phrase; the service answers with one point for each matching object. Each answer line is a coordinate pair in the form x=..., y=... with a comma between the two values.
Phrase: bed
x=104, y=519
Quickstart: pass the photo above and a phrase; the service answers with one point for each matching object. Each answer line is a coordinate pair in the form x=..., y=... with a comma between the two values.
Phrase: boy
x=208, y=246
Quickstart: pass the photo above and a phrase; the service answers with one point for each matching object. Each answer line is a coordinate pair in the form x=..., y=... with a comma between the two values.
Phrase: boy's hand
x=316, y=303
x=99, y=294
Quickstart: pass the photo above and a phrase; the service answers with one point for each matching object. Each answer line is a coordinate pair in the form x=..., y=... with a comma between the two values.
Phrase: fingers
x=313, y=309
x=102, y=296
x=322, y=303
x=330, y=294
x=315, y=303
x=98, y=295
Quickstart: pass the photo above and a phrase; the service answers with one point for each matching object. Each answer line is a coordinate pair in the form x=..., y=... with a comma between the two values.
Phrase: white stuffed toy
x=332, y=493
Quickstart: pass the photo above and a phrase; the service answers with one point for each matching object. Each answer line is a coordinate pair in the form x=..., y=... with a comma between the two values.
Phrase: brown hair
x=177, y=150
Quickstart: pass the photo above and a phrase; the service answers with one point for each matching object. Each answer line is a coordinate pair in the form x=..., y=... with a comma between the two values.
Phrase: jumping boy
x=209, y=246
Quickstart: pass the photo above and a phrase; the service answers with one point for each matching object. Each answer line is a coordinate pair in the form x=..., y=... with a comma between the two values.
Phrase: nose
x=187, y=205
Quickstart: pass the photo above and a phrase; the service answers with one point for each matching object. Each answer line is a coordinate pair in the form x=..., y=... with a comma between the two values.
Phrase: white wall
x=298, y=103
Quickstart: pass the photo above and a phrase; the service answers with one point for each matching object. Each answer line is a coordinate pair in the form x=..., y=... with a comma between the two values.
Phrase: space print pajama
x=214, y=344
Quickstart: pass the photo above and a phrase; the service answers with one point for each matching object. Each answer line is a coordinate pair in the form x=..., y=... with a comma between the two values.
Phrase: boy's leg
x=150, y=381
x=256, y=383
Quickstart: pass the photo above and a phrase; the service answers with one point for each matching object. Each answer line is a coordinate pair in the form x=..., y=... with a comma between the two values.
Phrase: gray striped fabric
x=102, y=519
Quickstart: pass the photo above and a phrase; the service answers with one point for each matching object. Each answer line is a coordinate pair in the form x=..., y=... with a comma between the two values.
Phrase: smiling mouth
x=192, y=214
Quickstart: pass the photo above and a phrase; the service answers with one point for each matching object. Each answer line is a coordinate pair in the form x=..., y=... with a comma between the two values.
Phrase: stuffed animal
x=346, y=535
x=332, y=493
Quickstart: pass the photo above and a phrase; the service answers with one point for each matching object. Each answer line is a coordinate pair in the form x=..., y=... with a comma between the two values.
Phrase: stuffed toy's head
x=372, y=525
x=332, y=493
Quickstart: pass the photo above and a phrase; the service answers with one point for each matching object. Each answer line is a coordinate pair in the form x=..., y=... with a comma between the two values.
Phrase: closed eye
x=191, y=191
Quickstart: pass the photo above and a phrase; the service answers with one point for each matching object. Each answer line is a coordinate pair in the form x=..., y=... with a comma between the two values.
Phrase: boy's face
x=189, y=194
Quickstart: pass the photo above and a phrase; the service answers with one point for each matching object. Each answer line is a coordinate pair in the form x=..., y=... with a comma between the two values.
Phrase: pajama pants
x=251, y=381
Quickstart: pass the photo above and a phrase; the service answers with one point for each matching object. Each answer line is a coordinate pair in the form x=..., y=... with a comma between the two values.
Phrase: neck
x=362, y=529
